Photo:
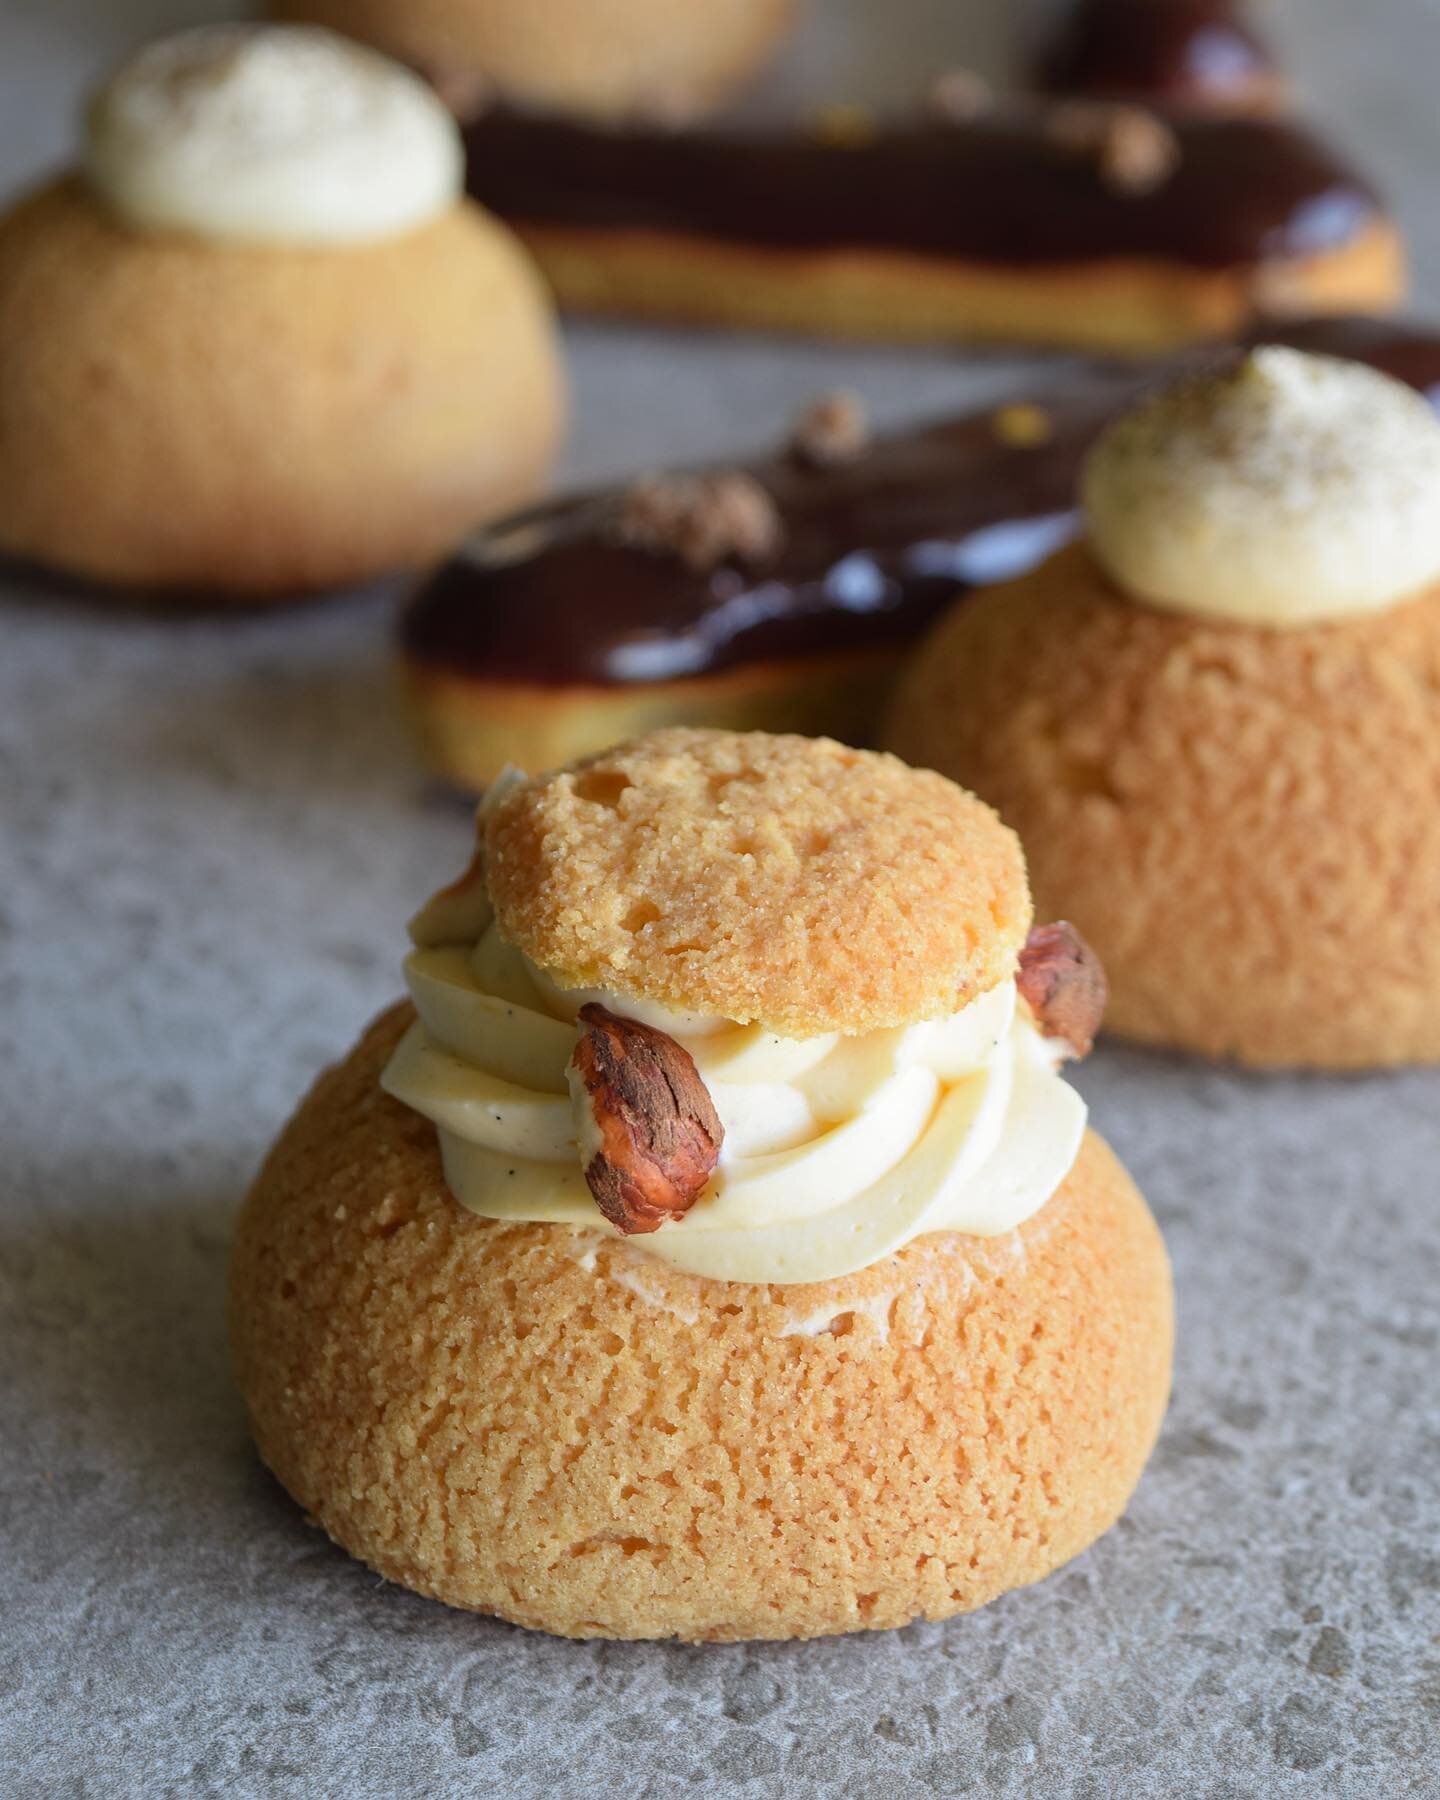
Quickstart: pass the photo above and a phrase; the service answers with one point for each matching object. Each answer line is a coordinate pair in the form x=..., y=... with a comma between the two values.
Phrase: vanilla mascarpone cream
x=280, y=135
x=1281, y=490
x=838, y=1151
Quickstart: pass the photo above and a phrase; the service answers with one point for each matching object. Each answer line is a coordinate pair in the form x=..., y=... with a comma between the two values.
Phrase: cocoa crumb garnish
x=703, y=519
x=660, y=1135
x=1062, y=982
x=832, y=429
x=1133, y=151
x=959, y=95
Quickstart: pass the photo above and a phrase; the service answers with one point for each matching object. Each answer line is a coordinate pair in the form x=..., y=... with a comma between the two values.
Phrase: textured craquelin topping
x=659, y=1133
x=832, y=429
x=1132, y=150
x=959, y=95
x=704, y=520
x=787, y=881
x=1062, y=981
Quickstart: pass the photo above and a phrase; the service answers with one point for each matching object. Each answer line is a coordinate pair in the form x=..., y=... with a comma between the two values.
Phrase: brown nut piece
x=1063, y=983
x=659, y=1133
x=832, y=429
x=704, y=519
x=1133, y=150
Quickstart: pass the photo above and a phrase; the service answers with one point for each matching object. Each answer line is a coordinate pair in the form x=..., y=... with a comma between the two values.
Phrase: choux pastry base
x=603, y=57
x=186, y=418
x=560, y=1430
x=1243, y=822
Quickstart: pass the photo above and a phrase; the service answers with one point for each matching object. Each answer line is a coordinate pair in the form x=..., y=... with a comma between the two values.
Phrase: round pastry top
x=286, y=135
x=786, y=881
x=1281, y=489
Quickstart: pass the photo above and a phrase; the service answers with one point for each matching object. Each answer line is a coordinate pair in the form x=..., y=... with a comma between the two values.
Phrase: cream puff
x=712, y=1248
x=619, y=57
x=779, y=594
x=259, y=344
x=1216, y=719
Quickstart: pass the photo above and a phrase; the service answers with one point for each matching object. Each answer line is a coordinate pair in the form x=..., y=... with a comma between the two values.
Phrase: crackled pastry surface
x=1243, y=822
x=789, y=881
x=524, y=1421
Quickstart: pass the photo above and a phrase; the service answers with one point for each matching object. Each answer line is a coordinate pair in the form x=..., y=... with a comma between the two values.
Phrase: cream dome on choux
x=259, y=344
x=712, y=1246
x=1287, y=490
x=1215, y=720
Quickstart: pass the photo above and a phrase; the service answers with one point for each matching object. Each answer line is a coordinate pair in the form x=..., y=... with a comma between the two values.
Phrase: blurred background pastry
x=779, y=594
x=1216, y=719
x=258, y=344
x=594, y=57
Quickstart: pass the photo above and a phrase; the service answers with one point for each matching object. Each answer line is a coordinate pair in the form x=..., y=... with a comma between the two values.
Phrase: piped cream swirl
x=283, y=135
x=838, y=1150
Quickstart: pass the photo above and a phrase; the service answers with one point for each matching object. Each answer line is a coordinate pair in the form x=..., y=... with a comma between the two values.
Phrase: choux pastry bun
x=1216, y=719
x=598, y=57
x=260, y=345
x=712, y=1249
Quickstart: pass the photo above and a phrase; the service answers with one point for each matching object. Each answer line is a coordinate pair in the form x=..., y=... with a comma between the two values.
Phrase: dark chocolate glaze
x=998, y=189
x=873, y=549
x=1177, y=54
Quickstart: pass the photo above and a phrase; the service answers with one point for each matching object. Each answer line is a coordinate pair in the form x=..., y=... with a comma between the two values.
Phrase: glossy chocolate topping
x=1001, y=189
x=1180, y=54
x=872, y=549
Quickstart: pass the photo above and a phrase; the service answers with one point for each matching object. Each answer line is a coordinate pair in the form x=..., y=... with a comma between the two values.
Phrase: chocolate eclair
x=1082, y=225
x=778, y=595
x=714, y=1249
x=1198, y=56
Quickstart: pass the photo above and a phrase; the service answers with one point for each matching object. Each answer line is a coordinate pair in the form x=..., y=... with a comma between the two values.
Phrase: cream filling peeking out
x=838, y=1151
x=272, y=135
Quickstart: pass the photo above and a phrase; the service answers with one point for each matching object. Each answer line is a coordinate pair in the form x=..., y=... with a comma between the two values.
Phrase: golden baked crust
x=598, y=1446
x=180, y=415
x=1244, y=823
x=1123, y=305
x=786, y=881
x=592, y=56
x=470, y=727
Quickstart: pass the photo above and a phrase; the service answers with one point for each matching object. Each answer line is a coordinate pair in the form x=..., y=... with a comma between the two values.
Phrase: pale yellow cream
x=283, y=135
x=838, y=1151
x=1282, y=490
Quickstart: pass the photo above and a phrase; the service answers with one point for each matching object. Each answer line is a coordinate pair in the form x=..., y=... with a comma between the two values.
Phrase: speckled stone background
x=211, y=835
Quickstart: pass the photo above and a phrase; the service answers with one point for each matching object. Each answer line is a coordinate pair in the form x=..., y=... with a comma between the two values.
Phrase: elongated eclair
x=1084, y=226
x=778, y=595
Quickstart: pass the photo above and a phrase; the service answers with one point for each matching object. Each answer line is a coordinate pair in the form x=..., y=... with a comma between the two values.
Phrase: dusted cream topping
x=1283, y=490
x=838, y=1150
x=272, y=135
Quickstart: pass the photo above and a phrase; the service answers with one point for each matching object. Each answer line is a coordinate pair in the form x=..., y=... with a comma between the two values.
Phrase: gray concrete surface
x=209, y=836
